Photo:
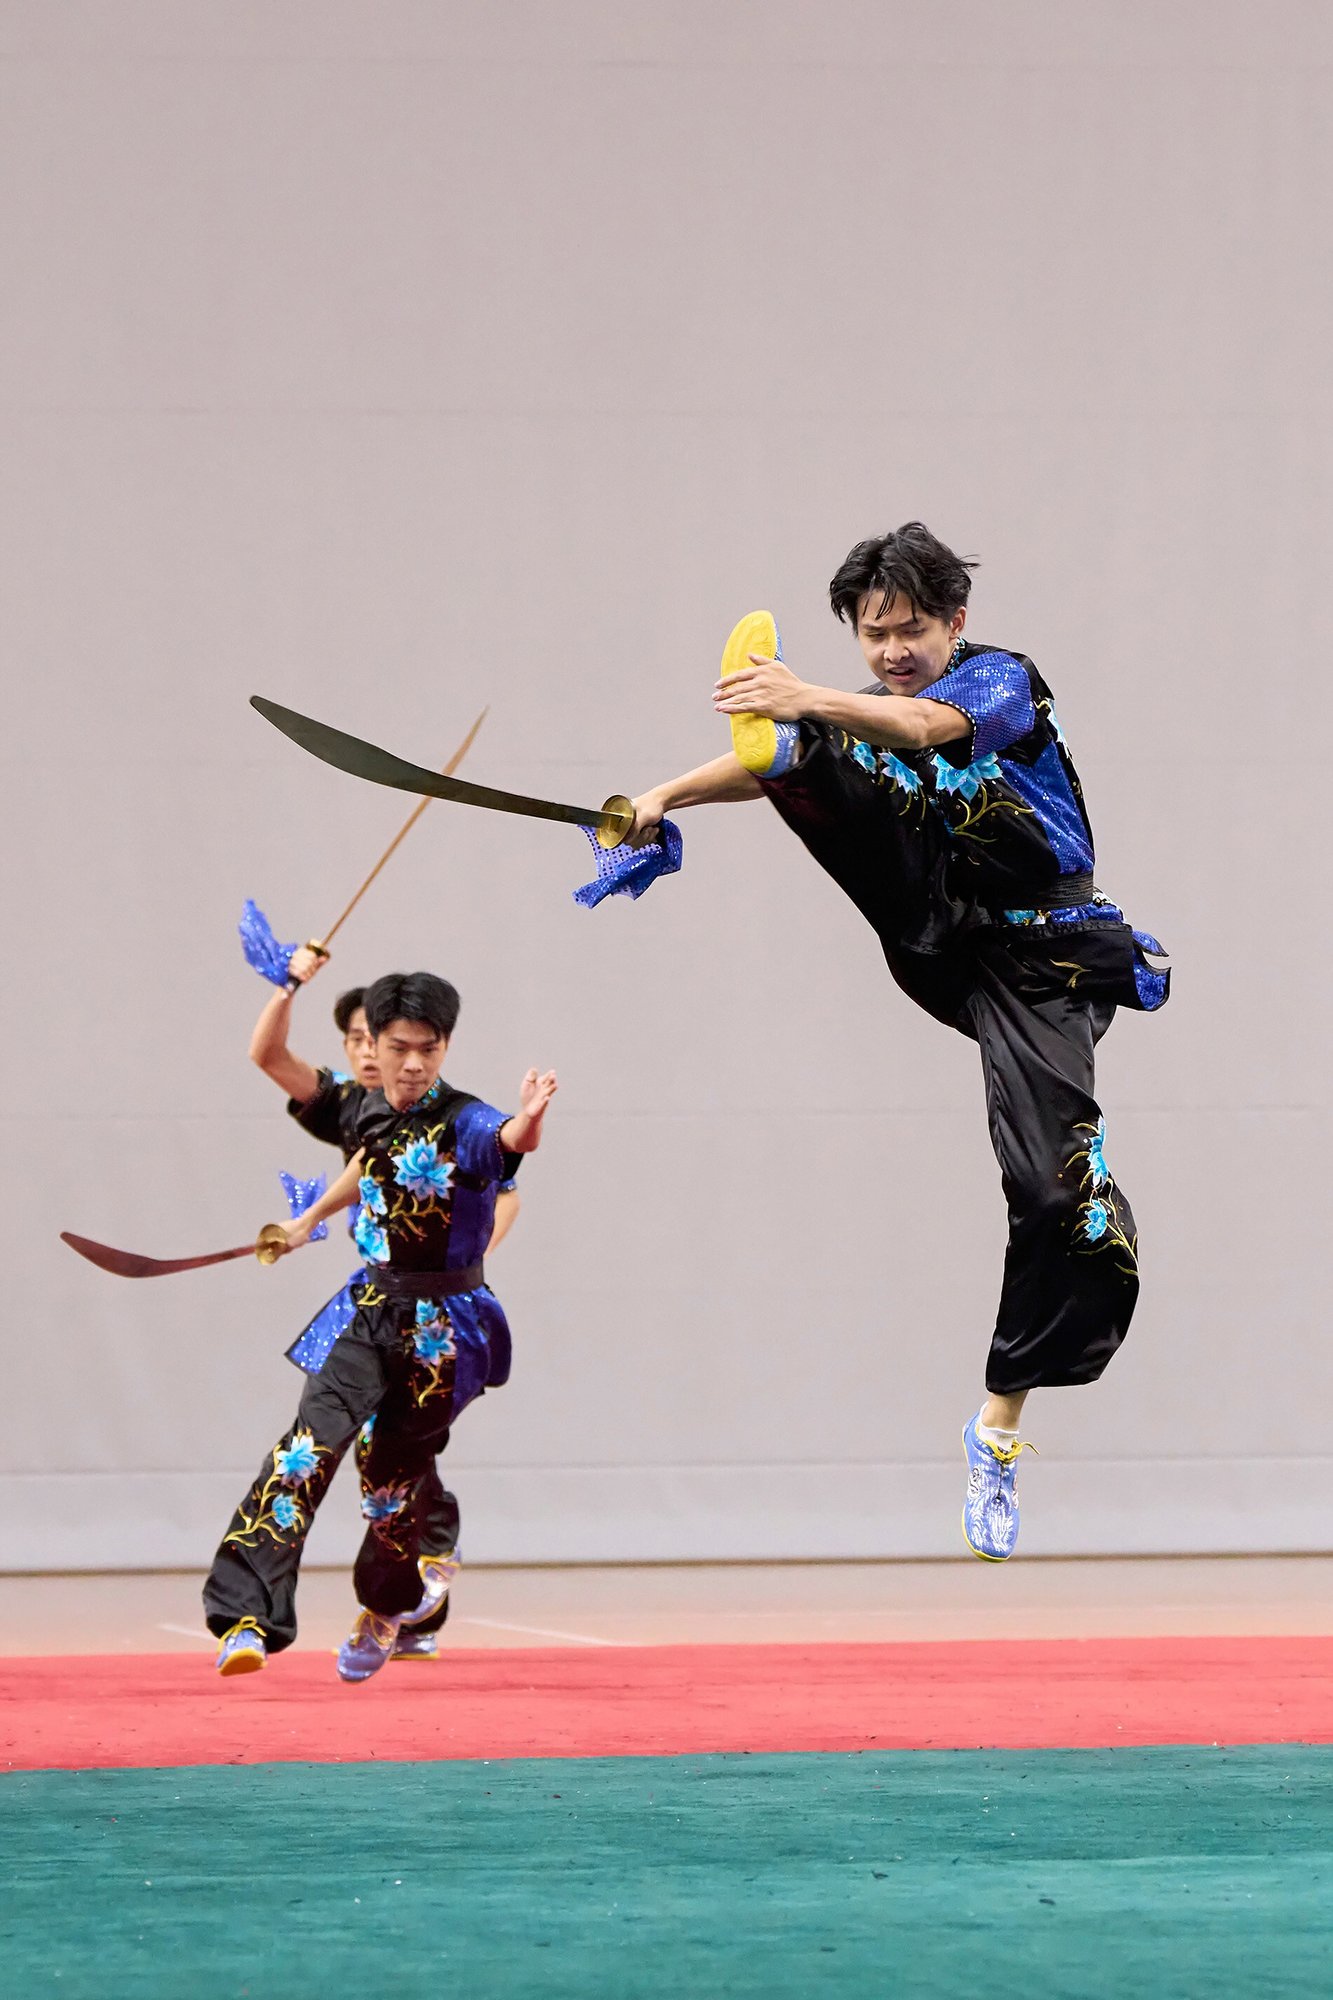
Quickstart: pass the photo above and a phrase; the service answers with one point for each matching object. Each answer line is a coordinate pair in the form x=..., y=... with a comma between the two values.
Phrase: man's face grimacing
x=359, y=1048
x=409, y=1054
x=905, y=649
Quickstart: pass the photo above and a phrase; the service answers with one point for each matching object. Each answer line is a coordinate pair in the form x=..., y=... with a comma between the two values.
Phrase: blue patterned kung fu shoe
x=437, y=1574
x=242, y=1650
x=368, y=1646
x=990, y=1511
x=412, y=1645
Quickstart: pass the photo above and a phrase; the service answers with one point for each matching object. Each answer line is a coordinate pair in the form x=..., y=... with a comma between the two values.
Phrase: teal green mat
x=1172, y=1874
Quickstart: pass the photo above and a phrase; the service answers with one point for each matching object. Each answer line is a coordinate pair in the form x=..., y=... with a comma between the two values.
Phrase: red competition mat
x=85, y=1712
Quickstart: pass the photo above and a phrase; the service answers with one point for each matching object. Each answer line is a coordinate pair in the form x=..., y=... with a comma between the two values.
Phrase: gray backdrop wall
x=391, y=359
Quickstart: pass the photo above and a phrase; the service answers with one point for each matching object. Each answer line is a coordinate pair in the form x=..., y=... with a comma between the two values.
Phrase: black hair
x=412, y=996
x=912, y=563
x=346, y=1005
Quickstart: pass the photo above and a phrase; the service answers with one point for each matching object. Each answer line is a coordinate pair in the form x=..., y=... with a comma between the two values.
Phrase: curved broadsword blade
x=129, y=1264
x=381, y=767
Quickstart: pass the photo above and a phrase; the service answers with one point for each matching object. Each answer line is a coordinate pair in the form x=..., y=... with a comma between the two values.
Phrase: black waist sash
x=1061, y=892
x=400, y=1284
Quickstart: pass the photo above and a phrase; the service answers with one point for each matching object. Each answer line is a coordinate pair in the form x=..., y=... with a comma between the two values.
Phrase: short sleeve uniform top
x=429, y=1180
x=1008, y=790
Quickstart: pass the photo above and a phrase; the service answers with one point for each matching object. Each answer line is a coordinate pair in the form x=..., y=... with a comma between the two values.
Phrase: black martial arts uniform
x=973, y=863
x=427, y=1337
x=342, y=1113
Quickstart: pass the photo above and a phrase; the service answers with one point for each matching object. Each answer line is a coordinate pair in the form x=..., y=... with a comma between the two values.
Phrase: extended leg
x=438, y=1563
x=438, y=1514
x=1071, y=1274
x=388, y=1578
x=870, y=833
x=397, y=1469
x=863, y=816
x=254, y=1573
x=1071, y=1268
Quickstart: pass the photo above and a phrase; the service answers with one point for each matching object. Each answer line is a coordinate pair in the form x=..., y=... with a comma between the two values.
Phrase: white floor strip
x=189, y=1632
x=535, y=1631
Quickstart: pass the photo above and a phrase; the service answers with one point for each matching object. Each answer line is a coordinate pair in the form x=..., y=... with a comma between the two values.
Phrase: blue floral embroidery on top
x=285, y=1511
x=902, y=775
x=372, y=1196
x=1097, y=1156
x=968, y=782
x=370, y=1239
x=420, y=1170
x=883, y=764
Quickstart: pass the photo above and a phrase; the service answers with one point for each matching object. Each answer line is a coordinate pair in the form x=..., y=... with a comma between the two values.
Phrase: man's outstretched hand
x=522, y=1133
x=535, y=1092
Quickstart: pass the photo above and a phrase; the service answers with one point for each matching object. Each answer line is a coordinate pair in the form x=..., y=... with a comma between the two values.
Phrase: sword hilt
x=616, y=822
x=271, y=1243
x=320, y=951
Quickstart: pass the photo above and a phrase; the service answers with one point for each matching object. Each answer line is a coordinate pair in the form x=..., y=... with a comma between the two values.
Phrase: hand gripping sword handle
x=321, y=951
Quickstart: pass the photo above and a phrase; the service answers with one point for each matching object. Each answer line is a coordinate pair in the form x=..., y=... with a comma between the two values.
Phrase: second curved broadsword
x=360, y=759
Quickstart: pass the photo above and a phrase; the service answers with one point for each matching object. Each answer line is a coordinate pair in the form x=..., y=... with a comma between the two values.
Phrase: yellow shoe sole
x=754, y=738
x=241, y=1663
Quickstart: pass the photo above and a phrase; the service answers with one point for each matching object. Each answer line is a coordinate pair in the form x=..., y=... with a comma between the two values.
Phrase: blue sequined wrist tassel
x=262, y=950
x=628, y=871
x=302, y=1195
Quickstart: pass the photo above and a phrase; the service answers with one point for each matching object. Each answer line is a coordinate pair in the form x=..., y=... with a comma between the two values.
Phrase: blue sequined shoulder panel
x=993, y=691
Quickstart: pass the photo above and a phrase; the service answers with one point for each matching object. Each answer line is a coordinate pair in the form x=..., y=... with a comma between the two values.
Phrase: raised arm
x=893, y=721
x=723, y=782
x=268, y=1044
x=523, y=1132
